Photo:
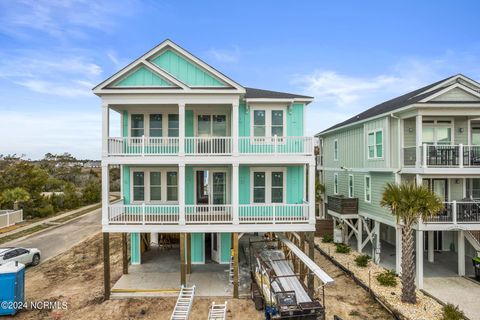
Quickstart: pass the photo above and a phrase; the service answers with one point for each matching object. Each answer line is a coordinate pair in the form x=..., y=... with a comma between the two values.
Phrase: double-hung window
x=350, y=186
x=269, y=122
x=172, y=186
x=375, y=144
x=155, y=186
x=268, y=186
x=156, y=125
x=368, y=189
x=335, y=183
x=335, y=150
x=138, y=186
x=173, y=125
x=137, y=129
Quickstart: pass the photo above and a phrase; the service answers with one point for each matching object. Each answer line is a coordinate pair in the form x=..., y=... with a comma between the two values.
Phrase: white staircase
x=184, y=303
x=474, y=238
x=218, y=311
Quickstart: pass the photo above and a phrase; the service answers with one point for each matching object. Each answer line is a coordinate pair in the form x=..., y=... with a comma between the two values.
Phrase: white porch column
x=398, y=249
x=376, y=246
x=181, y=129
x=311, y=193
x=359, y=234
x=105, y=189
x=418, y=139
x=105, y=129
x=235, y=194
x=418, y=180
x=235, y=128
x=431, y=242
x=181, y=193
x=461, y=252
x=419, y=259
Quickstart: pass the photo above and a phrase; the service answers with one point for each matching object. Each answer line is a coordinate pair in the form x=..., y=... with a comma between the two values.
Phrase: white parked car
x=27, y=256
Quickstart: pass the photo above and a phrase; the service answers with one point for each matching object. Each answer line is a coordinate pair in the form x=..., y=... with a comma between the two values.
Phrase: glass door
x=219, y=187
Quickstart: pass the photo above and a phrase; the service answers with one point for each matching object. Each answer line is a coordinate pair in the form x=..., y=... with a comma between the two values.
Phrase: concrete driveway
x=458, y=291
x=57, y=240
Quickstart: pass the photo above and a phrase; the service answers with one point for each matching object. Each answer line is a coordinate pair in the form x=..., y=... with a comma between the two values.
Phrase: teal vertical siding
x=295, y=120
x=186, y=71
x=125, y=124
x=189, y=185
x=126, y=184
x=226, y=245
x=189, y=123
x=295, y=184
x=197, y=247
x=243, y=120
x=135, y=248
x=143, y=77
x=244, y=185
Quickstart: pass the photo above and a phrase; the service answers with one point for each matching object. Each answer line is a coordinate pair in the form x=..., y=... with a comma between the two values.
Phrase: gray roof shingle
x=252, y=93
x=391, y=105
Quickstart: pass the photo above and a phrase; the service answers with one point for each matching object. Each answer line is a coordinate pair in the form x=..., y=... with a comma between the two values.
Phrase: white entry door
x=216, y=247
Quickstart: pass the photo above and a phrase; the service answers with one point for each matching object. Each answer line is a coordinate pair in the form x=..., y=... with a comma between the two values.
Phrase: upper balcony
x=209, y=146
x=441, y=156
x=464, y=214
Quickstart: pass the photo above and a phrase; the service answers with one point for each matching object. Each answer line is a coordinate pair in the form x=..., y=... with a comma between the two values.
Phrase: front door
x=216, y=247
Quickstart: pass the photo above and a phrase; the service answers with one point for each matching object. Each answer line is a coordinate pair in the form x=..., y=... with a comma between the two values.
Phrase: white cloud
x=61, y=18
x=82, y=88
x=225, y=55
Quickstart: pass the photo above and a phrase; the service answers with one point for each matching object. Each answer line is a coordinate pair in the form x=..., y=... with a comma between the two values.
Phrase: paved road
x=57, y=240
x=456, y=290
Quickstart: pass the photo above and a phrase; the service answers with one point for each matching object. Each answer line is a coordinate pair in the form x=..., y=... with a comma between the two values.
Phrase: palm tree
x=15, y=195
x=409, y=203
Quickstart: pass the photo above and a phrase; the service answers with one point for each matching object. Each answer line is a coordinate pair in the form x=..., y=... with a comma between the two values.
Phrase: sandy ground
x=76, y=277
x=345, y=298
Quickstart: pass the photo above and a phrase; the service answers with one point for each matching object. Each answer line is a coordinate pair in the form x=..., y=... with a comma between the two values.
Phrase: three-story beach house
x=429, y=136
x=202, y=157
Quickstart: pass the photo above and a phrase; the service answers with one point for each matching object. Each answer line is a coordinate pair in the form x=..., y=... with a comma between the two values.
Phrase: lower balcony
x=465, y=214
x=166, y=214
x=343, y=205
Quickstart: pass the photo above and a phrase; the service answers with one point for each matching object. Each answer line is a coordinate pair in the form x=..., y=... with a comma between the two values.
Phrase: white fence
x=10, y=217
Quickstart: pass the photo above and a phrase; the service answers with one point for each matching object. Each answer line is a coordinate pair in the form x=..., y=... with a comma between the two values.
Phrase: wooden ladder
x=184, y=303
x=218, y=311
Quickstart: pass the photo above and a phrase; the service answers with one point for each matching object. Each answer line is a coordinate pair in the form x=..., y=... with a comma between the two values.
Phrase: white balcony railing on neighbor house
x=168, y=214
x=147, y=146
x=441, y=156
x=458, y=212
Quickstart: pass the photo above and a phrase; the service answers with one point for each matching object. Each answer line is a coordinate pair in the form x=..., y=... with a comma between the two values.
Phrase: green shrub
x=451, y=312
x=342, y=248
x=327, y=238
x=362, y=260
x=387, y=278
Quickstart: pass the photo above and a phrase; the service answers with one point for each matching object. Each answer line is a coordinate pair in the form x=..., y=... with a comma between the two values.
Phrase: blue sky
x=350, y=55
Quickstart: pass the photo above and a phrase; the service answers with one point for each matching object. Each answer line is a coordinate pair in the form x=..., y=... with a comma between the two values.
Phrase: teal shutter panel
x=188, y=123
x=189, y=183
x=126, y=184
x=125, y=124
x=244, y=185
x=295, y=184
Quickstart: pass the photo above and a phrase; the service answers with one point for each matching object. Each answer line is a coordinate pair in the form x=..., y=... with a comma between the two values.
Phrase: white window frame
x=375, y=156
x=268, y=184
x=335, y=183
x=335, y=150
x=351, y=186
x=368, y=192
x=146, y=173
x=146, y=122
x=268, y=120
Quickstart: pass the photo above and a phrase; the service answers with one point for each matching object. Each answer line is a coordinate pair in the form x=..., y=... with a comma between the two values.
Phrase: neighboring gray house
x=430, y=136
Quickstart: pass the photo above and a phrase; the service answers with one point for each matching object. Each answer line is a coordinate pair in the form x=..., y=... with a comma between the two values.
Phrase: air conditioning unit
x=337, y=235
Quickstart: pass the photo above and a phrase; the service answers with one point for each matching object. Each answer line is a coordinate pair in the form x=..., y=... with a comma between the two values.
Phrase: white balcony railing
x=458, y=212
x=273, y=213
x=207, y=214
x=163, y=214
x=441, y=156
x=148, y=146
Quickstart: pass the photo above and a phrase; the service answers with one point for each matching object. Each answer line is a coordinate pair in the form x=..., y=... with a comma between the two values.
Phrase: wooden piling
x=235, y=265
x=106, y=265
x=183, y=276
x=124, y=253
x=189, y=253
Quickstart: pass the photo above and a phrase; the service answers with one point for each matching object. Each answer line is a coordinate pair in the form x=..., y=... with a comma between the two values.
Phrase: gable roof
x=253, y=93
x=146, y=59
x=402, y=101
